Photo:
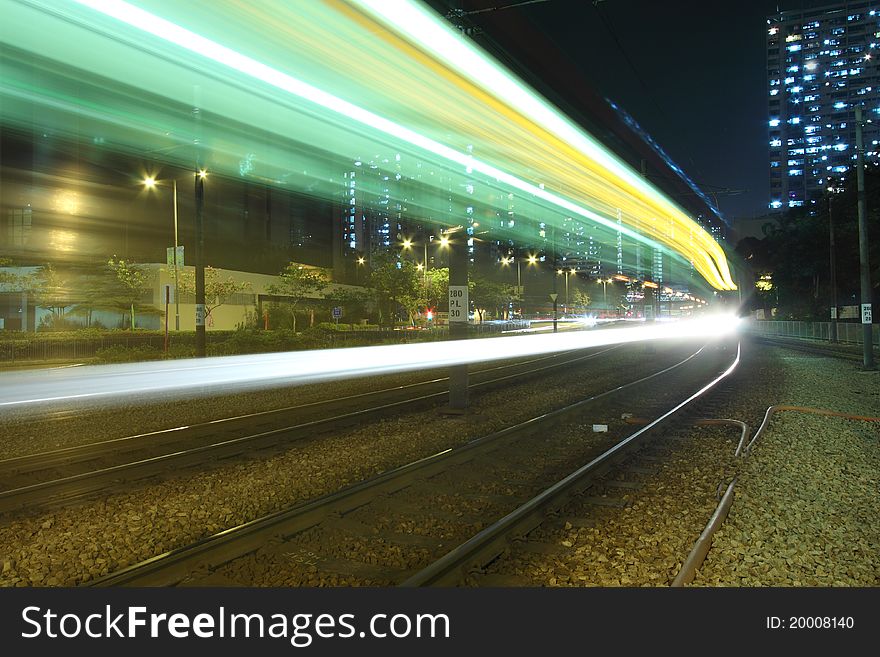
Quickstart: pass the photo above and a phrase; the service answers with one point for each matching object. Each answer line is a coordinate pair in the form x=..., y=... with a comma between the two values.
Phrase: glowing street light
x=604, y=282
x=423, y=267
x=360, y=261
x=568, y=273
x=150, y=183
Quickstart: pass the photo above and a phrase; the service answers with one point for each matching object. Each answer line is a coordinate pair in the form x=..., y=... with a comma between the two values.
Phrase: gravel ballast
x=804, y=514
x=75, y=545
x=806, y=499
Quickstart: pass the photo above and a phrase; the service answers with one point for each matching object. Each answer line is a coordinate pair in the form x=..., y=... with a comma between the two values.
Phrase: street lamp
x=604, y=282
x=199, y=262
x=832, y=267
x=150, y=183
x=408, y=244
x=506, y=263
x=567, y=273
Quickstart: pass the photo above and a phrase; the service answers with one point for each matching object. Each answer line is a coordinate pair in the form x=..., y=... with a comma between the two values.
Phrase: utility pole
x=833, y=266
x=199, y=263
x=176, y=264
x=458, y=320
x=199, y=258
x=864, y=264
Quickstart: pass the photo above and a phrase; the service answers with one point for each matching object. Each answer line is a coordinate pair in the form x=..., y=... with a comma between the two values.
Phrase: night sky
x=693, y=74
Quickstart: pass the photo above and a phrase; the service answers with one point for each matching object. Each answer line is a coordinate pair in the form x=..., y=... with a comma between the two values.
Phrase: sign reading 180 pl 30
x=458, y=303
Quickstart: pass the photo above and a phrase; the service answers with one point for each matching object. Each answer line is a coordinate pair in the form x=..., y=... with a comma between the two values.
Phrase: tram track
x=309, y=538
x=69, y=475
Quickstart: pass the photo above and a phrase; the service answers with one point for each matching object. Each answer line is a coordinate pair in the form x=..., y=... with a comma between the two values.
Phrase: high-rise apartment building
x=821, y=64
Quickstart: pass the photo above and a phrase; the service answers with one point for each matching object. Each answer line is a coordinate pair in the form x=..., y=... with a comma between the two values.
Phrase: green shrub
x=121, y=354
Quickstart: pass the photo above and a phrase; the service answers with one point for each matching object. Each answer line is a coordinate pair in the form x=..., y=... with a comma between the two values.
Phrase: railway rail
x=389, y=528
x=69, y=475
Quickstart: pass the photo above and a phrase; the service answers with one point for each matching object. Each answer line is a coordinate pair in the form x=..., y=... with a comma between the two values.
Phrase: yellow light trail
x=396, y=68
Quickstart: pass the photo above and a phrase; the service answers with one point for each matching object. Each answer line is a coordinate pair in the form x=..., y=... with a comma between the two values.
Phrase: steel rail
x=211, y=552
x=97, y=449
x=77, y=486
x=701, y=548
x=491, y=541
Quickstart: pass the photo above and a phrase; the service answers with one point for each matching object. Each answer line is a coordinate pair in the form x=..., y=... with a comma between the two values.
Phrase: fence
x=12, y=351
x=847, y=332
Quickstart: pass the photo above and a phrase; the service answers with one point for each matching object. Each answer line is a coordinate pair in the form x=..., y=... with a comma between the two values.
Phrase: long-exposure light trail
x=159, y=27
x=421, y=26
x=341, y=67
x=234, y=373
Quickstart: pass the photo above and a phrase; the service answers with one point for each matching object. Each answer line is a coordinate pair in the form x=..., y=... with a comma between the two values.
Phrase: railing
x=847, y=332
x=13, y=351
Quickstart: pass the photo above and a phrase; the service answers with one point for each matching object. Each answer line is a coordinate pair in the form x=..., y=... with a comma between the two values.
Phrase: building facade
x=821, y=64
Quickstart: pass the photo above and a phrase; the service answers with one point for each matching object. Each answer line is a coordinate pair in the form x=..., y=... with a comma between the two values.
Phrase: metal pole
x=200, y=267
x=458, y=374
x=832, y=265
x=199, y=236
x=176, y=272
x=566, y=290
x=166, y=318
x=864, y=265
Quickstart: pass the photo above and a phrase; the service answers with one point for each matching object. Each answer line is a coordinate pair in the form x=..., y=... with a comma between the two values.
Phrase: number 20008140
x=810, y=623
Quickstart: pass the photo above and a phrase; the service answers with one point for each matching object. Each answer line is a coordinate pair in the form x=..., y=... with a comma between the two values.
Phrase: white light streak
x=225, y=375
x=180, y=36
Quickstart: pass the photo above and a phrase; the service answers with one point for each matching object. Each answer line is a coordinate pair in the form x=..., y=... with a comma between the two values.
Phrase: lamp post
x=423, y=267
x=604, y=282
x=833, y=269
x=360, y=262
x=201, y=340
x=566, y=273
x=150, y=183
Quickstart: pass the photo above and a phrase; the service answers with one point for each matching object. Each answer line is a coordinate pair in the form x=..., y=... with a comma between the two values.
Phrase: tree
x=436, y=293
x=132, y=282
x=354, y=300
x=8, y=279
x=299, y=283
x=218, y=290
x=486, y=294
x=96, y=288
x=581, y=301
x=397, y=284
x=51, y=290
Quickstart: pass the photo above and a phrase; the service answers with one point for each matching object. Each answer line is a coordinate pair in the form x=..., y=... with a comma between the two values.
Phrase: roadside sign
x=167, y=294
x=337, y=312
x=866, y=313
x=553, y=297
x=834, y=312
x=458, y=303
x=169, y=256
